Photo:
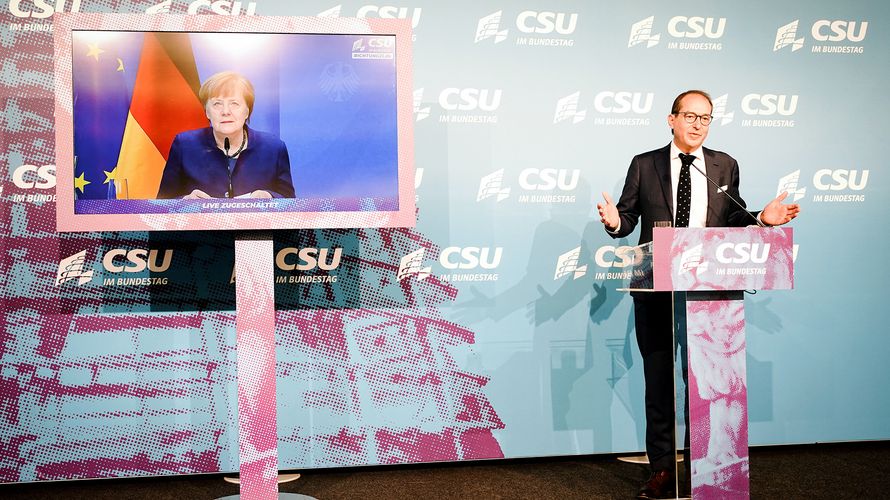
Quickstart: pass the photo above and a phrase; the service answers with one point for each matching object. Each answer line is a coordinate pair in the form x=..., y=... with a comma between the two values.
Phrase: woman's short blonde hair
x=227, y=82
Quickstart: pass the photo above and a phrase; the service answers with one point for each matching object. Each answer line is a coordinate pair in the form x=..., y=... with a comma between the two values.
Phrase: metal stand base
x=282, y=478
x=281, y=496
x=643, y=459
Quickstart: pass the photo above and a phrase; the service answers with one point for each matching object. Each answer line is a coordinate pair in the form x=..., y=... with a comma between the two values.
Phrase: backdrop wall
x=492, y=329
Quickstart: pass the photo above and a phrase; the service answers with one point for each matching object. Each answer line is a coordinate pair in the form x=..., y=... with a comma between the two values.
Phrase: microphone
x=731, y=197
x=231, y=192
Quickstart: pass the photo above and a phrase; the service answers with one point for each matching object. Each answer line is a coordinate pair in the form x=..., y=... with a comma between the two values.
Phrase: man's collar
x=699, y=154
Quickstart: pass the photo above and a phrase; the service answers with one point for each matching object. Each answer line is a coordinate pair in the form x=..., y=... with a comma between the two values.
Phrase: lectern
x=715, y=266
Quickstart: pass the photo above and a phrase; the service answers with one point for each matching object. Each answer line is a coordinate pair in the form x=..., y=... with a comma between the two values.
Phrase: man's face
x=227, y=113
x=689, y=136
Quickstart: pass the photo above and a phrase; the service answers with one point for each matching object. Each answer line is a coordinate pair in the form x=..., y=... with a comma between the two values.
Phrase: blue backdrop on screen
x=336, y=114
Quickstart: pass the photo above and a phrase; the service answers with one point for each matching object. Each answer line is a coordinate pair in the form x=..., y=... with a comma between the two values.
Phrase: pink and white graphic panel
x=752, y=258
x=718, y=399
x=257, y=411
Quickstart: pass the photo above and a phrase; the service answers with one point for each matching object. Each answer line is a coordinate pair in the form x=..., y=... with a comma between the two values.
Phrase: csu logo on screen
x=742, y=253
x=470, y=99
x=391, y=12
x=471, y=257
x=222, y=7
x=136, y=260
x=769, y=104
x=307, y=259
x=840, y=180
x=619, y=257
x=34, y=177
x=549, y=179
x=41, y=9
x=546, y=22
x=621, y=102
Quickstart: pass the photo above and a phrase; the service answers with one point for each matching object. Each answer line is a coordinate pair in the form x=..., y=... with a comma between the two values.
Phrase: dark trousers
x=654, y=317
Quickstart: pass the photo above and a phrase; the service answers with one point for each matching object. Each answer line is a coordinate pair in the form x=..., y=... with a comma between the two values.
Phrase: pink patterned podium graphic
x=751, y=258
x=718, y=399
x=714, y=265
x=257, y=411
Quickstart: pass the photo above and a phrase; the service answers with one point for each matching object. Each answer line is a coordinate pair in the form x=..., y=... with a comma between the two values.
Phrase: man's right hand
x=197, y=194
x=608, y=213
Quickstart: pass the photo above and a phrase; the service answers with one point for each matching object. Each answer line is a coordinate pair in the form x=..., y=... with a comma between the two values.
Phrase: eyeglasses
x=691, y=117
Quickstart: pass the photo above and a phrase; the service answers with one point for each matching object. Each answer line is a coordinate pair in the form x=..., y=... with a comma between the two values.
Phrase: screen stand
x=257, y=409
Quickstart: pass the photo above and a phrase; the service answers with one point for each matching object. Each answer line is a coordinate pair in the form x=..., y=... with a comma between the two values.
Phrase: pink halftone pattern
x=382, y=381
x=723, y=259
x=257, y=412
x=718, y=399
x=64, y=23
x=85, y=393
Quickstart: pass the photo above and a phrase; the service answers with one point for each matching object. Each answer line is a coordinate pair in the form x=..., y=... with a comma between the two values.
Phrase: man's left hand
x=776, y=214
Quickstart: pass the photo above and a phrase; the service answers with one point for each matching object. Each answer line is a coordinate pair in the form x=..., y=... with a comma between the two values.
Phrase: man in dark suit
x=665, y=185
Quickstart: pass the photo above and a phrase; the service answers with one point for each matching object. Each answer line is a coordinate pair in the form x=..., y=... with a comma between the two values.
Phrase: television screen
x=233, y=124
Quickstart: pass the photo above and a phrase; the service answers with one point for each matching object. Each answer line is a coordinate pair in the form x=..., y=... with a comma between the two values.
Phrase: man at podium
x=682, y=184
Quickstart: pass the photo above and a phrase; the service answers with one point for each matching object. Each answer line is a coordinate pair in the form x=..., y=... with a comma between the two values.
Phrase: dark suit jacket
x=195, y=162
x=648, y=194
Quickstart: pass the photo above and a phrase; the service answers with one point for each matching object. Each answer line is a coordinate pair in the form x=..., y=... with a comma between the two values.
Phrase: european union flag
x=101, y=104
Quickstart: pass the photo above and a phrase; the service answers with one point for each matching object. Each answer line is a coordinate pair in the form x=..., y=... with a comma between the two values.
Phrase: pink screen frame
x=68, y=221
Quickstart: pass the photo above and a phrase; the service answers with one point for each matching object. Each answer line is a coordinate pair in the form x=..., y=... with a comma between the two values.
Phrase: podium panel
x=714, y=266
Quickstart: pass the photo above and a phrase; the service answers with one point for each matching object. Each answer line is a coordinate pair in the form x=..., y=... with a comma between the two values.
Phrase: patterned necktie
x=684, y=191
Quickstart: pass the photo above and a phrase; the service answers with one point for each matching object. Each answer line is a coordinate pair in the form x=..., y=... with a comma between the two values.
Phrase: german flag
x=164, y=103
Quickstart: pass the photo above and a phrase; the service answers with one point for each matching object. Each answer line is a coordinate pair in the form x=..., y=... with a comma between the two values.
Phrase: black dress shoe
x=659, y=485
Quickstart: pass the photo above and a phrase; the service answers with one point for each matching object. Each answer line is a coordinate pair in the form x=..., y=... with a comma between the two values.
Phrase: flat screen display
x=231, y=124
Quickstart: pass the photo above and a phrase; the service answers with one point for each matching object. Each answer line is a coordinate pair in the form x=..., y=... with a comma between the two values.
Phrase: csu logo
x=692, y=260
x=469, y=99
x=840, y=179
x=612, y=256
x=306, y=259
x=44, y=9
x=693, y=27
x=567, y=265
x=742, y=253
x=696, y=27
x=791, y=184
x=838, y=31
x=492, y=185
x=74, y=268
x=471, y=257
x=121, y=260
x=34, y=177
x=490, y=27
x=545, y=22
x=412, y=265
x=823, y=30
x=548, y=179
x=769, y=104
x=623, y=102
x=222, y=7
x=390, y=12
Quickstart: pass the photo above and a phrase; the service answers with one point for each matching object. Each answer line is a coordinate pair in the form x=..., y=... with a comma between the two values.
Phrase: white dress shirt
x=698, y=207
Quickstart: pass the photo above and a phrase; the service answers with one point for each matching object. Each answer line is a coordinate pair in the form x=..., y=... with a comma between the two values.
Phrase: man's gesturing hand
x=608, y=213
x=775, y=213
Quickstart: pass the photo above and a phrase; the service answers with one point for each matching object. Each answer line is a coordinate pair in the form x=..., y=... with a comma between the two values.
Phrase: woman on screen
x=227, y=159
